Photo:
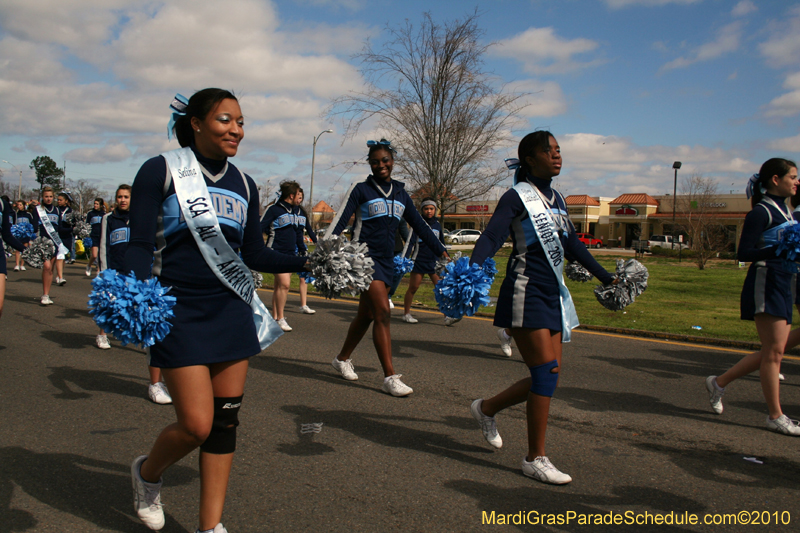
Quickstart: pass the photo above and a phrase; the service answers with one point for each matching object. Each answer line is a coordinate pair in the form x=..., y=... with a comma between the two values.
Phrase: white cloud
x=112, y=152
x=541, y=51
x=787, y=104
x=546, y=98
x=788, y=144
x=745, y=7
x=617, y=4
x=726, y=41
x=783, y=46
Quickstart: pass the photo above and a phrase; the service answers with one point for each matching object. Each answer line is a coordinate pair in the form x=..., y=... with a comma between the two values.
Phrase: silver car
x=462, y=236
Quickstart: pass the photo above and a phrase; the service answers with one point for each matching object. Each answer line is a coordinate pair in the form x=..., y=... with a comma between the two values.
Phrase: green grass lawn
x=678, y=296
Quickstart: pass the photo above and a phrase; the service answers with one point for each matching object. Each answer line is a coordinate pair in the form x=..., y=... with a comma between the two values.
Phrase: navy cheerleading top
x=55, y=214
x=156, y=223
x=113, y=243
x=94, y=218
x=283, y=229
x=528, y=257
x=378, y=207
x=5, y=226
x=304, y=223
x=753, y=247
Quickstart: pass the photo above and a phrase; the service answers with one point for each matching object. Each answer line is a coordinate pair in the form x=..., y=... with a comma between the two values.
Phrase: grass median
x=679, y=298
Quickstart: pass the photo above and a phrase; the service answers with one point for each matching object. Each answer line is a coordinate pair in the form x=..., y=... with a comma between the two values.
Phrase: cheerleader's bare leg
x=280, y=293
x=373, y=306
x=773, y=332
x=2, y=292
x=47, y=275
x=415, y=280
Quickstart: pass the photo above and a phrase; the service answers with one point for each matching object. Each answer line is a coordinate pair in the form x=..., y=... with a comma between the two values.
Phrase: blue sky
x=627, y=86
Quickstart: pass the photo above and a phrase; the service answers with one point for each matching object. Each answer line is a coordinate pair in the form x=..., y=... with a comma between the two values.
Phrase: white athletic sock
x=505, y=335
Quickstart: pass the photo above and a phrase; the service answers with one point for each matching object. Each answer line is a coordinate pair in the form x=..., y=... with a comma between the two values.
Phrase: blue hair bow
x=514, y=164
x=753, y=182
x=178, y=107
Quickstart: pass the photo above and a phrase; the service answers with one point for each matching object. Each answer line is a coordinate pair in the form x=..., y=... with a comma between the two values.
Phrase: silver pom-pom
x=258, y=278
x=341, y=266
x=442, y=262
x=632, y=276
x=82, y=229
x=39, y=251
x=577, y=272
x=9, y=250
x=72, y=218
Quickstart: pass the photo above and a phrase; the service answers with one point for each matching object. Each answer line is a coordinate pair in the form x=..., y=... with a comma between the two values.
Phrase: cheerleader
x=423, y=257
x=204, y=359
x=767, y=294
x=530, y=300
x=281, y=227
x=47, y=220
x=64, y=233
x=20, y=215
x=94, y=218
x=378, y=205
x=5, y=231
x=304, y=223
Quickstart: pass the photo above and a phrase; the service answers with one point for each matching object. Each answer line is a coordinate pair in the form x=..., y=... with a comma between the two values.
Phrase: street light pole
x=676, y=165
x=19, y=191
x=311, y=191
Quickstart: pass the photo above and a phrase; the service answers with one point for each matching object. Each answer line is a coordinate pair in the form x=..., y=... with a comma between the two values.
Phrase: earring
x=198, y=131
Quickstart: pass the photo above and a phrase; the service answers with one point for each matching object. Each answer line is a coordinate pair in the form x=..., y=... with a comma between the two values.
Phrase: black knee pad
x=222, y=439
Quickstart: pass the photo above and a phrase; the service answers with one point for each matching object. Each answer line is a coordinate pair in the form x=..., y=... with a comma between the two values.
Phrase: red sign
x=626, y=210
x=472, y=208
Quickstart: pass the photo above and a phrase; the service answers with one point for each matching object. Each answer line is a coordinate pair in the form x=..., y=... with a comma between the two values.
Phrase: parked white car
x=463, y=235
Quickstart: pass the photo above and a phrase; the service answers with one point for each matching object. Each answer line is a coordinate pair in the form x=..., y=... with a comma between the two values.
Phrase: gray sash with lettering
x=198, y=212
x=61, y=250
x=547, y=232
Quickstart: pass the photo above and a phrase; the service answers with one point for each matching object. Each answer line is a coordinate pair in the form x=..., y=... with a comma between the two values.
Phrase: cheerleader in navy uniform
x=378, y=204
x=21, y=215
x=94, y=218
x=6, y=214
x=424, y=258
x=54, y=216
x=279, y=223
x=530, y=297
x=204, y=358
x=304, y=223
x=767, y=294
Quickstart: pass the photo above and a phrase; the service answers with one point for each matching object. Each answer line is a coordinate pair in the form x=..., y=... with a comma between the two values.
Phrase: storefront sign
x=480, y=208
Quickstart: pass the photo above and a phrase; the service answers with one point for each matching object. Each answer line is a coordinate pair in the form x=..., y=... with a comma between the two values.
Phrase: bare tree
x=706, y=236
x=266, y=195
x=429, y=92
x=84, y=194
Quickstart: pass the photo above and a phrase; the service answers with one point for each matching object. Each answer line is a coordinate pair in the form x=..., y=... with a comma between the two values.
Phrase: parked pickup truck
x=664, y=241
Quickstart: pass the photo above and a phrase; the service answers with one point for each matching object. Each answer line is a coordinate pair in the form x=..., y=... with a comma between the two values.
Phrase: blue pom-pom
x=134, y=311
x=402, y=265
x=490, y=267
x=23, y=230
x=307, y=277
x=87, y=242
x=462, y=289
x=789, y=244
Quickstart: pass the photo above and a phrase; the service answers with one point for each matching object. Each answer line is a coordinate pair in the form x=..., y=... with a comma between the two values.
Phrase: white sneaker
x=46, y=300
x=543, y=470
x=307, y=310
x=714, y=394
x=392, y=385
x=505, y=342
x=410, y=319
x=488, y=424
x=219, y=528
x=146, y=497
x=284, y=326
x=88, y=271
x=781, y=377
x=448, y=321
x=61, y=281
x=391, y=304
x=16, y=269
x=345, y=368
x=159, y=394
x=22, y=267
x=784, y=424
x=102, y=342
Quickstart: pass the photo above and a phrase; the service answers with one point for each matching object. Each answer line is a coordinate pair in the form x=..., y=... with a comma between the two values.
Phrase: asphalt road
x=630, y=422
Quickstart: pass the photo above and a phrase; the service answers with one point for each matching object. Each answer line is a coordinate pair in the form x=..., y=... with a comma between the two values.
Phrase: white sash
x=547, y=232
x=199, y=215
x=61, y=250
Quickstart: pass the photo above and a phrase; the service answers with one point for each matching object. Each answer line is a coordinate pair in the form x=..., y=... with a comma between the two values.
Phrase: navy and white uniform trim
x=425, y=259
x=283, y=227
x=115, y=235
x=95, y=218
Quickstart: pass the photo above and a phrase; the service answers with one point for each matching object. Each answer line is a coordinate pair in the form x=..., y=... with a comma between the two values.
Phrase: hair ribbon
x=751, y=183
x=178, y=107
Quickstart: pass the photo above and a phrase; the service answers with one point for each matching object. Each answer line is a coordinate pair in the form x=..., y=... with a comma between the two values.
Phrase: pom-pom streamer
x=87, y=243
x=789, y=247
x=490, y=268
x=341, y=266
x=38, y=252
x=82, y=229
x=442, y=262
x=311, y=280
x=135, y=311
x=23, y=231
x=258, y=278
x=632, y=276
x=462, y=289
x=72, y=218
x=576, y=272
x=402, y=265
